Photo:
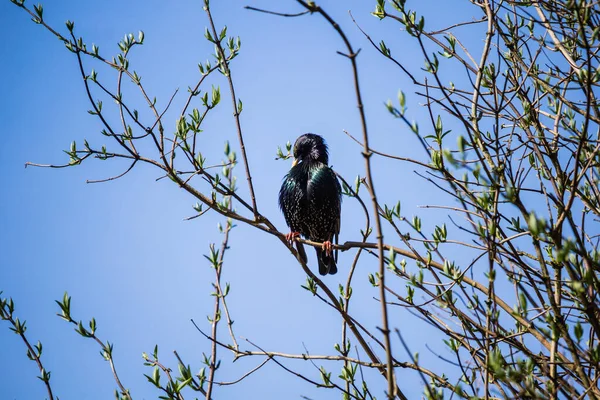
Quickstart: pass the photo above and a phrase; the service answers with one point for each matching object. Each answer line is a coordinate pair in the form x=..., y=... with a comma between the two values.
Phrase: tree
x=509, y=138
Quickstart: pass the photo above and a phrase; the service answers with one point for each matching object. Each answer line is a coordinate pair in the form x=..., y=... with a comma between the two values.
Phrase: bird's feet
x=327, y=247
x=291, y=236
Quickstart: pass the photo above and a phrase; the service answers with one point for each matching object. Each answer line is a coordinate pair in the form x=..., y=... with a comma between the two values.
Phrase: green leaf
x=208, y=36
x=536, y=225
x=39, y=10
x=578, y=330
x=227, y=148
x=216, y=96
x=384, y=49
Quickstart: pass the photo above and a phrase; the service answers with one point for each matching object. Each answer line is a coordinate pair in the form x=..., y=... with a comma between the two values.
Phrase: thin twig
x=112, y=178
x=393, y=390
x=6, y=313
x=276, y=13
x=236, y=113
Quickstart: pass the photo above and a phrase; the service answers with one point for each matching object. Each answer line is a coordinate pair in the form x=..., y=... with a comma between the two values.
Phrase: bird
x=310, y=199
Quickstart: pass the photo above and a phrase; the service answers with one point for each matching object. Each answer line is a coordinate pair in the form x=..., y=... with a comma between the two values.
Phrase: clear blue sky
x=122, y=250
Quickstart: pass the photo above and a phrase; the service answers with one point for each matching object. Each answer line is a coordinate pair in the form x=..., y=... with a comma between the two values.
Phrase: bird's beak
x=295, y=162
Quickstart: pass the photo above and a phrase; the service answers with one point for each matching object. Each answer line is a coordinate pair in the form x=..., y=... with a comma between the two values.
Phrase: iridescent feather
x=310, y=198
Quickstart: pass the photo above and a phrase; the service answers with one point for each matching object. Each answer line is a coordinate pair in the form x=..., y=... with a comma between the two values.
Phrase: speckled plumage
x=310, y=198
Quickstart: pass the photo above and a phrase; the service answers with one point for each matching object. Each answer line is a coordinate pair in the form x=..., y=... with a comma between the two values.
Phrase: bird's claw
x=291, y=236
x=327, y=247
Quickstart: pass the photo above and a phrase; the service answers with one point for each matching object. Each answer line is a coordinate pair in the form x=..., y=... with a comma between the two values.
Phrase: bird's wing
x=325, y=193
x=292, y=200
x=337, y=189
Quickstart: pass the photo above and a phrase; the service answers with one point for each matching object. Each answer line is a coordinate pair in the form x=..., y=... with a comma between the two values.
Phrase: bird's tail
x=302, y=252
x=327, y=264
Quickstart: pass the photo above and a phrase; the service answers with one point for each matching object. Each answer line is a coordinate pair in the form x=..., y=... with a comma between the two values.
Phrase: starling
x=310, y=198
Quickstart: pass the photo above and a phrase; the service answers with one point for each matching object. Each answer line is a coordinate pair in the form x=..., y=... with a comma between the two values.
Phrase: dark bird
x=310, y=198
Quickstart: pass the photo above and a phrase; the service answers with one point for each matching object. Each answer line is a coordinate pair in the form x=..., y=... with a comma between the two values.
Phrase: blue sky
x=122, y=250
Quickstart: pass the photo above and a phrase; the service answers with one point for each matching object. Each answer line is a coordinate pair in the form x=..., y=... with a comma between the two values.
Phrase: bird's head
x=310, y=148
